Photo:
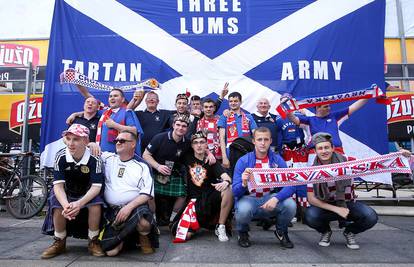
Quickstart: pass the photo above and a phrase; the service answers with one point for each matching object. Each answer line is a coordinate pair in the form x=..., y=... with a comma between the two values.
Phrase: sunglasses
x=121, y=141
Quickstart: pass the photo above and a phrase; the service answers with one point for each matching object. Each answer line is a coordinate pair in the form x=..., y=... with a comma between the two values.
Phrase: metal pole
x=25, y=134
x=28, y=91
x=401, y=33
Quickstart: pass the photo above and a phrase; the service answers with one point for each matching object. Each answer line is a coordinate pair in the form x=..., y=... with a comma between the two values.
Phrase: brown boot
x=58, y=247
x=94, y=247
x=145, y=244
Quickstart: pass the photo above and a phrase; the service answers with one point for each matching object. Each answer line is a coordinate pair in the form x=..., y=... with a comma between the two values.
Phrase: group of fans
x=106, y=192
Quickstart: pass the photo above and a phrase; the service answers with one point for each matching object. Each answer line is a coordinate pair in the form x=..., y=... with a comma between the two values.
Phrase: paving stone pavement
x=390, y=242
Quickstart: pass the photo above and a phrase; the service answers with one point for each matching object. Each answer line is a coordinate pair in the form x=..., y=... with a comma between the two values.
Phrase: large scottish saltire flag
x=263, y=48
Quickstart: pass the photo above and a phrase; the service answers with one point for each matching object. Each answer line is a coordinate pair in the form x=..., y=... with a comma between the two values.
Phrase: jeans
x=360, y=218
x=248, y=208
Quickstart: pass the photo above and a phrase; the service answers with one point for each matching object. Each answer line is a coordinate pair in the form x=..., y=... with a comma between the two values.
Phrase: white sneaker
x=350, y=240
x=221, y=233
x=325, y=239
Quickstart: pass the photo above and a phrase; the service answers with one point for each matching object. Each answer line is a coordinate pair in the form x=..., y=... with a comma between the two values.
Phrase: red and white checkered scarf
x=209, y=127
x=187, y=221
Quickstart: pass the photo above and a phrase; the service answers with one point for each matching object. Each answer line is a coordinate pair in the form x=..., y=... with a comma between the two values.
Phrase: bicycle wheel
x=26, y=197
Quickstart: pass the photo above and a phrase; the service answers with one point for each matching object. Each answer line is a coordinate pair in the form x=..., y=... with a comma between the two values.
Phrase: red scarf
x=232, y=133
x=187, y=221
x=209, y=126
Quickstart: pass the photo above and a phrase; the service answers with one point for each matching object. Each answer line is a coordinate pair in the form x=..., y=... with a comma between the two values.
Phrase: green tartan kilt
x=174, y=188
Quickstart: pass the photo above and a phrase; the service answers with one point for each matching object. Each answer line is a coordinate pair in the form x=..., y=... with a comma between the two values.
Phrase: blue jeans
x=248, y=208
x=360, y=218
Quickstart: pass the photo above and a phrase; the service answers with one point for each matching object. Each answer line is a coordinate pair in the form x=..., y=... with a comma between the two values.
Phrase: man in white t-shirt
x=128, y=188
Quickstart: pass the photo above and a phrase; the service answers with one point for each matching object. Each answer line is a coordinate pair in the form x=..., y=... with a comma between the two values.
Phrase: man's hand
x=70, y=119
x=110, y=123
x=225, y=163
x=95, y=149
x=210, y=159
x=246, y=176
x=225, y=90
x=196, y=112
x=227, y=113
x=343, y=212
x=139, y=94
x=270, y=204
x=163, y=169
x=123, y=214
x=221, y=186
x=406, y=153
x=73, y=210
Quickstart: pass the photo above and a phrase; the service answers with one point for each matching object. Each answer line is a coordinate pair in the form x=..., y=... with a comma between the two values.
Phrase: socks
x=60, y=235
x=92, y=234
x=173, y=214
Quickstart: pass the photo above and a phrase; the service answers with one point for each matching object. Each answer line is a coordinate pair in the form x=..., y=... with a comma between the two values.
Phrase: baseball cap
x=78, y=130
x=321, y=137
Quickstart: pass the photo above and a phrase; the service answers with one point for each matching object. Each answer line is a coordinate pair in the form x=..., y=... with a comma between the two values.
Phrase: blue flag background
x=262, y=47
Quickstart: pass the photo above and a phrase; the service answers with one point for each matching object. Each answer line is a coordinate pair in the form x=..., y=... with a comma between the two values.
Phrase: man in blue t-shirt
x=327, y=121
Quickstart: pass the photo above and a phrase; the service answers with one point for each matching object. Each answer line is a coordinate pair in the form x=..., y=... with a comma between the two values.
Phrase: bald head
x=263, y=106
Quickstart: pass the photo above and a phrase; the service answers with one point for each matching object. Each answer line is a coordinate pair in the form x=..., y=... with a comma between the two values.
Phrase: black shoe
x=284, y=239
x=244, y=241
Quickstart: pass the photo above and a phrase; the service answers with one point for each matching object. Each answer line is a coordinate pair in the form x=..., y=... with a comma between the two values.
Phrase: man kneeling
x=209, y=185
x=335, y=200
x=128, y=187
x=78, y=179
x=264, y=203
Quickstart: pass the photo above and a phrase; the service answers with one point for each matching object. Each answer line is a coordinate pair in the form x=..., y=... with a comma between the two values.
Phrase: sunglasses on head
x=121, y=141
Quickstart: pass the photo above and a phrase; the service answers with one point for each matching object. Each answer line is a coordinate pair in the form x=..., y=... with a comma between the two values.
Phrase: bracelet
x=227, y=182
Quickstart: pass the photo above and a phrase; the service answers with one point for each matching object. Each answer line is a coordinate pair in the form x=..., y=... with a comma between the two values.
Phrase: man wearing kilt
x=77, y=183
x=164, y=153
x=128, y=188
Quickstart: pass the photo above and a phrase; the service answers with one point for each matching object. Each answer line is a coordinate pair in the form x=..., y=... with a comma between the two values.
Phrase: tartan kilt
x=111, y=236
x=175, y=187
x=77, y=228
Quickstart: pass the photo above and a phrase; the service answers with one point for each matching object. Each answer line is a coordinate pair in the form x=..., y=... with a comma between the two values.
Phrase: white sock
x=173, y=214
x=92, y=234
x=60, y=235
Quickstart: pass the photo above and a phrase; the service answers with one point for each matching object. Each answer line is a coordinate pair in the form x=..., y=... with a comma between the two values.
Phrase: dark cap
x=199, y=134
x=321, y=137
x=182, y=117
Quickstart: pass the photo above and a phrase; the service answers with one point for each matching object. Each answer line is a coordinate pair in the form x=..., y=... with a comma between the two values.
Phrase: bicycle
x=25, y=196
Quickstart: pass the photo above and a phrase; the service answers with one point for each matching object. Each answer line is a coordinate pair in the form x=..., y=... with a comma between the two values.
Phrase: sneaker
x=221, y=233
x=145, y=244
x=94, y=247
x=284, y=239
x=58, y=247
x=244, y=241
x=350, y=240
x=325, y=239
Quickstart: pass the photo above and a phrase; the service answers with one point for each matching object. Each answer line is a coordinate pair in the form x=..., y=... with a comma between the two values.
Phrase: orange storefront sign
x=12, y=111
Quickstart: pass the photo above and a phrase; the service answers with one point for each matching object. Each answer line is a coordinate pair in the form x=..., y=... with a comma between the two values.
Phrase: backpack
x=239, y=148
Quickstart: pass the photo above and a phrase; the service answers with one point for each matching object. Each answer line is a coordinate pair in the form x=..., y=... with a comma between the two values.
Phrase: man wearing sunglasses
x=128, y=188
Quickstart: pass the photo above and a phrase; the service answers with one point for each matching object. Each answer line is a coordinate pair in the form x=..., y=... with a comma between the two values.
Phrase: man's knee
x=288, y=206
x=144, y=226
x=370, y=217
x=312, y=217
x=95, y=209
x=244, y=209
